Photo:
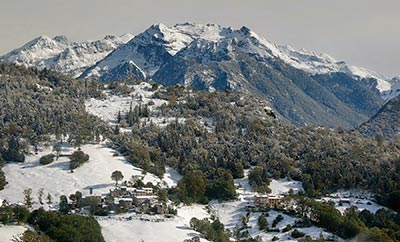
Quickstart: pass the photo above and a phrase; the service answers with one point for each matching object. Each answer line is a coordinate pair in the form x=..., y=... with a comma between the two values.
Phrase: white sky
x=363, y=32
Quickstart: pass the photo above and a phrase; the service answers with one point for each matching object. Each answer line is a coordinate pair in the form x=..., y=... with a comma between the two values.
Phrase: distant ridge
x=385, y=122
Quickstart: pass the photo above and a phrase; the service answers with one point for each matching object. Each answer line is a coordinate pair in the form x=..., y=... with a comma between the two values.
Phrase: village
x=131, y=198
x=126, y=197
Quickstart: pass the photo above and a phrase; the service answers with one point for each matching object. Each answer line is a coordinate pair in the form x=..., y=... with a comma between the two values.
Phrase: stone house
x=269, y=200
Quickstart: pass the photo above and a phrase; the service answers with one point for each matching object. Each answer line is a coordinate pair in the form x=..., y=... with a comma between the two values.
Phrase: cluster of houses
x=139, y=200
x=123, y=198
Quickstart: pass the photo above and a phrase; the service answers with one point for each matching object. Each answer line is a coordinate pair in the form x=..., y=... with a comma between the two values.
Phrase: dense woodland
x=222, y=134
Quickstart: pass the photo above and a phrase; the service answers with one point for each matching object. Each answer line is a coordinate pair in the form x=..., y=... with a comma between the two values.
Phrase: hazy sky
x=363, y=32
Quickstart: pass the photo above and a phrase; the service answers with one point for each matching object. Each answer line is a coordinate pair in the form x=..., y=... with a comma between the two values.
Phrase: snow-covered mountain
x=152, y=48
x=303, y=87
x=149, y=50
x=63, y=55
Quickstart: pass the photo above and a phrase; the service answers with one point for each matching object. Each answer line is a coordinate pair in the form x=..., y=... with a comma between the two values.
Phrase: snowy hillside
x=107, y=109
x=57, y=180
x=353, y=198
x=231, y=213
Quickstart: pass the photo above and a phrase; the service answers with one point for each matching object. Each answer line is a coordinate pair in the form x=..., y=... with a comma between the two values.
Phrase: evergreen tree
x=63, y=206
x=57, y=149
x=14, y=151
x=28, y=197
x=117, y=176
x=49, y=198
x=119, y=117
x=40, y=196
x=262, y=222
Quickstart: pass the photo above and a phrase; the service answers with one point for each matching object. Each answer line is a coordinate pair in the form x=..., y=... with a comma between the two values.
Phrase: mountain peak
x=245, y=30
x=109, y=37
x=61, y=38
x=157, y=28
x=38, y=40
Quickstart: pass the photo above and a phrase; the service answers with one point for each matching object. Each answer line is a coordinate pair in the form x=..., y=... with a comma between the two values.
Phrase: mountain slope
x=293, y=93
x=385, y=122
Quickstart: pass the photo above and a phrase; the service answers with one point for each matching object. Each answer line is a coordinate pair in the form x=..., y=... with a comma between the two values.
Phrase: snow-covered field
x=8, y=232
x=283, y=186
x=56, y=178
x=358, y=198
x=129, y=228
